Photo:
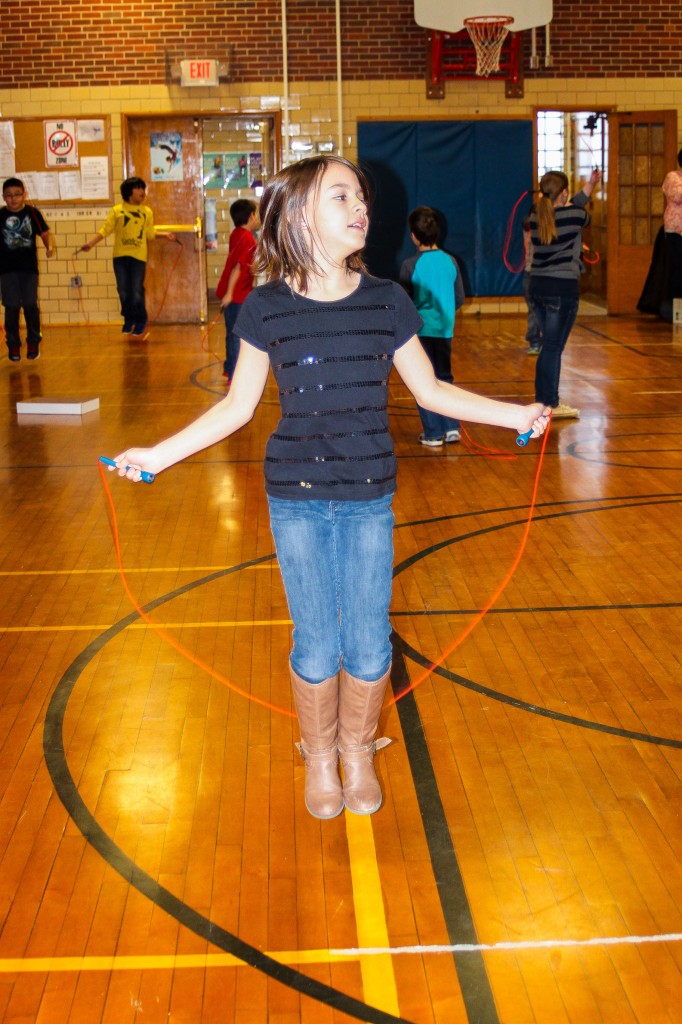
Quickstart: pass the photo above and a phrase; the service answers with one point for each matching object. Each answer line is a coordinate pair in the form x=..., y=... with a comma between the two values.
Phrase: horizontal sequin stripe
x=330, y=436
x=316, y=459
x=335, y=387
x=332, y=412
x=380, y=357
x=309, y=484
x=315, y=310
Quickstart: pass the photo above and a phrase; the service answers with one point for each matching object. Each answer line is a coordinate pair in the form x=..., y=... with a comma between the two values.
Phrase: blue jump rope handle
x=523, y=439
x=148, y=478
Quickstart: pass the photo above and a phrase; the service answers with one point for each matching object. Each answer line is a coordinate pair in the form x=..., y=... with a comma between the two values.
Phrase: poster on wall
x=166, y=156
x=61, y=146
x=255, y=169
x=214, y=170
x=236, y=170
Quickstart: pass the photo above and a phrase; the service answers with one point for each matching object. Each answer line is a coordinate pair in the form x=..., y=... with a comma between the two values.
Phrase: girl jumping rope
x=331, y=334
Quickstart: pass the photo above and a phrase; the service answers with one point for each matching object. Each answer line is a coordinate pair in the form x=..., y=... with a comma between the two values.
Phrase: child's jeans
x=336, y=561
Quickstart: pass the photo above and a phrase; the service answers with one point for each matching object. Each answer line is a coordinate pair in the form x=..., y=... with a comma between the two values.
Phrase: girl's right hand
x=534, y=417
x=133, y=462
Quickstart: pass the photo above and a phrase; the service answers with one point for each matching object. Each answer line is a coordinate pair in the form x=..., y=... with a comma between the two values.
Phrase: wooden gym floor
x=156, y=859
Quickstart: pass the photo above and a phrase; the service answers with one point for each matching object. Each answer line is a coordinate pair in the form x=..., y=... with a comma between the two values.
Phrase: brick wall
x=63, y=43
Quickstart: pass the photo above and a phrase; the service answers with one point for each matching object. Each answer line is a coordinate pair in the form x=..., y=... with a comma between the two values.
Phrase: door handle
x=182, y=228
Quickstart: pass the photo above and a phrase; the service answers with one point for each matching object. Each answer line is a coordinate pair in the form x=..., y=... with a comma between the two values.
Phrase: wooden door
x=642, y=149
x=176, y=272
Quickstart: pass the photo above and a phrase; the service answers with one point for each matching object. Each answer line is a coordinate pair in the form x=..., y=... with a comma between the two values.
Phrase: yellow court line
x=101, y=627
x=153, y=962
x=114, y=570
x=378, y=979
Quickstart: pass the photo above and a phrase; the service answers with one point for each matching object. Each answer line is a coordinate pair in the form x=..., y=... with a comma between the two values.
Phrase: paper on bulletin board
x=7, y=149
x=40, y=185
x=94, y=177
x=91, y=130
x=69, y=185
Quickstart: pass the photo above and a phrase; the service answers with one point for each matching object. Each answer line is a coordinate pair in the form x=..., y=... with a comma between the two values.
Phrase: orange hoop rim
x=489, y=19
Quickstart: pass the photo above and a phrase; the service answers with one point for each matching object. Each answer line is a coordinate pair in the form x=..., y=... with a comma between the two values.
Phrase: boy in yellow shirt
x=132, y=223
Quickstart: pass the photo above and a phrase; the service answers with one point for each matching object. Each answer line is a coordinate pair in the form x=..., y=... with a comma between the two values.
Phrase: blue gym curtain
x=471, y=172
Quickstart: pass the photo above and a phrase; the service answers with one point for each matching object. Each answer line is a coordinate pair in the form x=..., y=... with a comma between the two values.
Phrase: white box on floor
x=48, y=406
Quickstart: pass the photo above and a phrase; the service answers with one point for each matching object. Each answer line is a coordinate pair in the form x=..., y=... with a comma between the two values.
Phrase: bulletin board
x=62, y=161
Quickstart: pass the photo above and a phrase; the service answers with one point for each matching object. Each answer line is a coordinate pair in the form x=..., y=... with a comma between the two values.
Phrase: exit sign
x=198, y=72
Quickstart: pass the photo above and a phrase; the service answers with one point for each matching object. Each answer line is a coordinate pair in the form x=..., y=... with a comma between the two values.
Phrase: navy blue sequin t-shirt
x=331, y=362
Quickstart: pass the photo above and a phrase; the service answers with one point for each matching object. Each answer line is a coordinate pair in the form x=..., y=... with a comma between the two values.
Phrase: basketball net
x=488, y=33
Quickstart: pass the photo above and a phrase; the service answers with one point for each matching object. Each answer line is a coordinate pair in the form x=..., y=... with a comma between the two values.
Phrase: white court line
x=471, y=947
x=176, y=961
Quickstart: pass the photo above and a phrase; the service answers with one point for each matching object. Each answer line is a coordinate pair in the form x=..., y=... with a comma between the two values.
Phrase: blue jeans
x=439, y=351
x=129, y=274
x=555, y=315
x=336, y=560
x=230, y=312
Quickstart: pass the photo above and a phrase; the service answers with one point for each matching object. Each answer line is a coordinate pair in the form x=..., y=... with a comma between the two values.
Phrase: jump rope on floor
x=455, y=643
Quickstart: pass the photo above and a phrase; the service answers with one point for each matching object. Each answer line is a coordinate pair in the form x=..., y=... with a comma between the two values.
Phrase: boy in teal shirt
x=433, y=280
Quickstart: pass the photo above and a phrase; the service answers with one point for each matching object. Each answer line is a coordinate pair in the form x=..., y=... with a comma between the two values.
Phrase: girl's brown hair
x=284, y=249
x=552, y=185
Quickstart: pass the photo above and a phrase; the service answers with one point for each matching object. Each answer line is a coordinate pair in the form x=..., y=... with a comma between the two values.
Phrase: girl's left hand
x=535, y=417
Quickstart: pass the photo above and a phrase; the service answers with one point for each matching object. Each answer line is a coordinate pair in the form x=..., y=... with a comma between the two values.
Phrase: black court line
x=534, y=709
x=473, y=979
x=476, y=991
x=598, y=457
x=627, y=347
x=497, y=695
x=473, y=513
x=412, y=559
x=532, y=610
x=67, y=791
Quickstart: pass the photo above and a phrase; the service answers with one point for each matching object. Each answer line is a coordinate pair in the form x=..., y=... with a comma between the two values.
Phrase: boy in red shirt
x=237, y=280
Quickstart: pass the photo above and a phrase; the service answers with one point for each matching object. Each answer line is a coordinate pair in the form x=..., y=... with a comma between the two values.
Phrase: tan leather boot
x=317, y=707
x=359, y=709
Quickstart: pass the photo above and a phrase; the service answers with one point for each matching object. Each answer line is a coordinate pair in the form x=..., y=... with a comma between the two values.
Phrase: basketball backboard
x=449, y=15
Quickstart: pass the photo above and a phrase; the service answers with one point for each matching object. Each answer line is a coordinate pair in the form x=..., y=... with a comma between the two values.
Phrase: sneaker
x=33, y=355
x=140, y=331
x=565, y=412
x=127, y=328
x=534, y=350
x=452, y=436
x=431, y=442
x=15, y=357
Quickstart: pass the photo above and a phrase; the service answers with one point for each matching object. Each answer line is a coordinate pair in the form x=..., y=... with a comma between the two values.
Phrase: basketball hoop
x=488, y=32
